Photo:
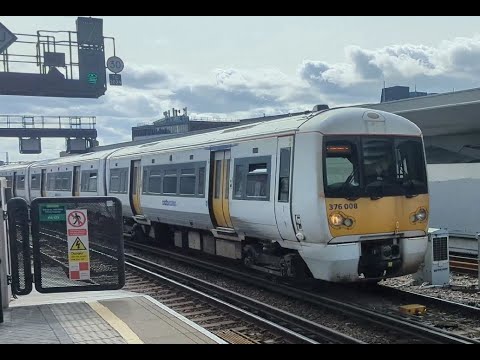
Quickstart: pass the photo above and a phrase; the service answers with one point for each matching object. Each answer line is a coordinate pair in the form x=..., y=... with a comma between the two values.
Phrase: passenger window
x=58, y=181
x=21, y=182
x=154, y=182
x=66, y=181
x=92, y=182
x=284, y=175
x=218, y=177
x=170, y=182
x=201, y=181
x=187, y=182
x=238, y=185
x=257, y=179
x=227, y=178
x=114, y=183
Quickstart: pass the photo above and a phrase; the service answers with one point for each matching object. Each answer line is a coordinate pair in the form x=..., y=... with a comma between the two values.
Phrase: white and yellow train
x=338, y=194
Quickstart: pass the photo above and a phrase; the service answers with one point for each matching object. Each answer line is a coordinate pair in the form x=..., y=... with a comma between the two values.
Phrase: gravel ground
x=462, y=288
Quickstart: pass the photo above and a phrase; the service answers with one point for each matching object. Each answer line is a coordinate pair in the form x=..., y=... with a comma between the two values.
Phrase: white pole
x=478, y=257
x=3, y=249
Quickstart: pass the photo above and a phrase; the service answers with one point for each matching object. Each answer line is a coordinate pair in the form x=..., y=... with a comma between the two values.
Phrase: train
x=338, y=194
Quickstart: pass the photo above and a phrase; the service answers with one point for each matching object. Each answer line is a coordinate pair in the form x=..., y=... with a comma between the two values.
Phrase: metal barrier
x=477, y=237
x=19, y=235
x=1, y=302
x=77, y=244
x=4, y=269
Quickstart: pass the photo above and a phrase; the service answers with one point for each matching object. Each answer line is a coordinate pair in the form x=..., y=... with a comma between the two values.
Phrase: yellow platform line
x=115, y=322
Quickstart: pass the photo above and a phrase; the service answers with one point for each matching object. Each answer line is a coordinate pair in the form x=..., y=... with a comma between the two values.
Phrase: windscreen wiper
x=347, y=181
x=410, y=184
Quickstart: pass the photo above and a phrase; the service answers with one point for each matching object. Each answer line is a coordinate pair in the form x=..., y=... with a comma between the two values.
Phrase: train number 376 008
x=343, y=206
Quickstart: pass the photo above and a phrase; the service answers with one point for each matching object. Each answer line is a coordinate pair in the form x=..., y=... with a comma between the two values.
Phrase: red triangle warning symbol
x=78, y=245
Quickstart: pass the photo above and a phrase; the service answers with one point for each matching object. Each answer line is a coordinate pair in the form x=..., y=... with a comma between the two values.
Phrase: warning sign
x=77, y=218
x=77, y=256
x=77, y=232
x=78, y=244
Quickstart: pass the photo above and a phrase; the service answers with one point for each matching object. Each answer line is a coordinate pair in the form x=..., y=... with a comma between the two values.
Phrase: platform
x=105, y=317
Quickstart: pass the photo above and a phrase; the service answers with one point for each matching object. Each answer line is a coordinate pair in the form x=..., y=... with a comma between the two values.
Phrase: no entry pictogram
x=77, y=218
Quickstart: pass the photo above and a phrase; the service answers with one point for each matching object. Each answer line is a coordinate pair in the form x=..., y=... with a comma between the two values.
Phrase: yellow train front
x=372, y=195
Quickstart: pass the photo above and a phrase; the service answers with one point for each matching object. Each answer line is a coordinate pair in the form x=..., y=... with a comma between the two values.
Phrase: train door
x=220, y=194
x=14, y=185
x=43, y=183
x=76, y=181
x=135, y=186
x=283, y=191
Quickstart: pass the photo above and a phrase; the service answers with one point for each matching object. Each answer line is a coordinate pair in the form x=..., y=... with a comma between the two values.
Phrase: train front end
x=376, y=202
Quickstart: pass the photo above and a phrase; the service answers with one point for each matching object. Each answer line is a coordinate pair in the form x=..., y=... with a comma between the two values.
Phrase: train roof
x=355, y=121
x=93, y=156
x=350, y=120
x=332, y=121
x=16, y=166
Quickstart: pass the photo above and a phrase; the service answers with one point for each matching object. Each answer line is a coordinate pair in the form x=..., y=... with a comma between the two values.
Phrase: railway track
x=463, y=263
x=285, y=326
x=231, y=316
x=291, y=327
x=408, y=327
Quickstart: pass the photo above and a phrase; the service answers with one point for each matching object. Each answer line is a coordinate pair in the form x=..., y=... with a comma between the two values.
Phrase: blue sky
x=234, y=67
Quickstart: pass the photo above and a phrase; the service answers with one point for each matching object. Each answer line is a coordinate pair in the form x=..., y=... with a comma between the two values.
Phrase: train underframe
x=367, y=260
x=257, y=254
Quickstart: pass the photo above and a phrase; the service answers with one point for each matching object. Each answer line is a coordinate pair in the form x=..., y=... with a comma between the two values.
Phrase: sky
x=237, y=67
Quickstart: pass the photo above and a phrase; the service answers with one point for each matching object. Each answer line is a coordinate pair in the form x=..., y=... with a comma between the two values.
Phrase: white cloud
x=230, y=92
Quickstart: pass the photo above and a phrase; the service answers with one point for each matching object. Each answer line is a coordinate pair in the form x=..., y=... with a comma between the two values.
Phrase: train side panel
x=252, y=188
x=175, y=188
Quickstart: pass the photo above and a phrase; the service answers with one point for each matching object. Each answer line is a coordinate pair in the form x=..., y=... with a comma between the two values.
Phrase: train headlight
x=348, y=222
x=336, y=219
x=421, y=215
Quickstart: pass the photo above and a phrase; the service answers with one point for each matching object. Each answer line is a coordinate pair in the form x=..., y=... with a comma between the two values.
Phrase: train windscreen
x=374, y=166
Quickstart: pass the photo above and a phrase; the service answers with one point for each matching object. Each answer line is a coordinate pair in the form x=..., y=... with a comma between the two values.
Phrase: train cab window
x=410, y=165
x=378, y=160
x=284, y=175
x=201, y=181
x=187, y=181
x=341, y=167
x=257, y=178
x=170, y=182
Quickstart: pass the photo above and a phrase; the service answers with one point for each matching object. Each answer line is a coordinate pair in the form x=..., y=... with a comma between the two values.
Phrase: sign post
x=477, y=236
x=78, y=244
x=115, y=65
x=4, y=289
x=6, y=38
